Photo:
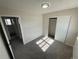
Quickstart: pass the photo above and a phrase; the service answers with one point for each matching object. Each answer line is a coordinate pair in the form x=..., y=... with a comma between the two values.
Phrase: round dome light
x=45, y=5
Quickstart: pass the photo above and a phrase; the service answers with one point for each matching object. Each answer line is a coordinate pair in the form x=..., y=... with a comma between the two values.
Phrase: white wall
x=31, y=23
x=73, y=29
x=32, y=27
x=75, y=50
x=3, y=51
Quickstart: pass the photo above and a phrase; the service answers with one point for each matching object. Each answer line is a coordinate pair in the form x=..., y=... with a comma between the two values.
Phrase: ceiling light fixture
x=45, y=5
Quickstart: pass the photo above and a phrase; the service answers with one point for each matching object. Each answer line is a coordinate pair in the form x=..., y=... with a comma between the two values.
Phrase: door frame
x=5, y=33
x=49, y=23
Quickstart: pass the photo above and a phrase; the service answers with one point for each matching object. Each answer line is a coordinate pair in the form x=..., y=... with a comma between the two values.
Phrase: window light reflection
x=44, y=48
x=38, y=42
x=45, y=43
x=8, y=22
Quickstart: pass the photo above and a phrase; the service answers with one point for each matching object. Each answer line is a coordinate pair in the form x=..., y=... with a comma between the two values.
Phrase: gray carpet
x=31, y=50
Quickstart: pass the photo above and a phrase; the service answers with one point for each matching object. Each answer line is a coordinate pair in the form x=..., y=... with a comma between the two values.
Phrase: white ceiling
x=33, y=6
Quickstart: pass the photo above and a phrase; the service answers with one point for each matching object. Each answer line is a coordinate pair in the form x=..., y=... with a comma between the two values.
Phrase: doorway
x=12, y=31
x=52, y=27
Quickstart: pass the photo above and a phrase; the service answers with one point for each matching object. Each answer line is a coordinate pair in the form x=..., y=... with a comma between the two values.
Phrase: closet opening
x=52, y=27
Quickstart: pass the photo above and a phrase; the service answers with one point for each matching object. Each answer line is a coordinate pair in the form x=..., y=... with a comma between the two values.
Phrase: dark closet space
x=52, y=27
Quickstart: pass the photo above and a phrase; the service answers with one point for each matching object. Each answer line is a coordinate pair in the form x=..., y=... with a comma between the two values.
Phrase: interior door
x=62, y=28
x=11, y=29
